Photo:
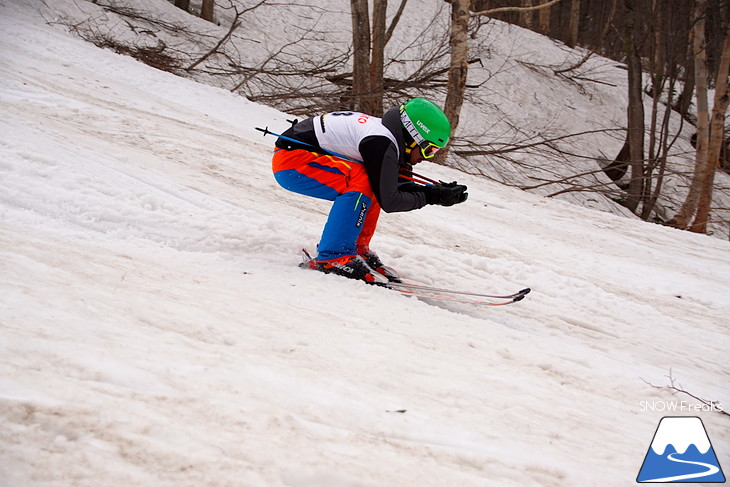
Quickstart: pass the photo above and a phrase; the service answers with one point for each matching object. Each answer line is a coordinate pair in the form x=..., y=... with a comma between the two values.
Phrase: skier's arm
x=380, y=157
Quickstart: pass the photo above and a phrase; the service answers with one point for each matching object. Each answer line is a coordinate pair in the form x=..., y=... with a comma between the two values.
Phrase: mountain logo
x=680, y=452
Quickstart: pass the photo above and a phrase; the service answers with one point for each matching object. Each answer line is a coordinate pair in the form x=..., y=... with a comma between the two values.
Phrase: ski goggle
x=429, y=150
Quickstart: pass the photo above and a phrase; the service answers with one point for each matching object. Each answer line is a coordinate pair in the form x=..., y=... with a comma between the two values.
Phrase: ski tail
x=307, y=261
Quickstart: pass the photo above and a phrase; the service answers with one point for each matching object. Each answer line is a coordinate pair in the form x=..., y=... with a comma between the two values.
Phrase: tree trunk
x=635, y=111
x=361, y=54
x=682, y=218
x=459, y=68
x=527, y=15
x=573, y=24
x=716, y=139
x=684, y=101
x=375, y=104
x=658, y=76
x=544, y=21
x=207, y=10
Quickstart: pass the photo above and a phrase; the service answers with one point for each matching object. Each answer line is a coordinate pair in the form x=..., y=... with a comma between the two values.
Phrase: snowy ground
x=156, y=331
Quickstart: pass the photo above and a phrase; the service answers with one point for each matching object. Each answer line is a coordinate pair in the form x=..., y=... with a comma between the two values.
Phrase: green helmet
x=425, y=122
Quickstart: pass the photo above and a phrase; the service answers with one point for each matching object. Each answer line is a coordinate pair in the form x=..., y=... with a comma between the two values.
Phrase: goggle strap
x=411, y=146
x=411, y=127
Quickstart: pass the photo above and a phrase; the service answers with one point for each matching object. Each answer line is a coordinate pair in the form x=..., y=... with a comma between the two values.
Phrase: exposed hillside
x=521, y=101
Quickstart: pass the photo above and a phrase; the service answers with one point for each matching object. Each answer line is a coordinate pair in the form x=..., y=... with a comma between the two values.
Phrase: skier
x=363, y=177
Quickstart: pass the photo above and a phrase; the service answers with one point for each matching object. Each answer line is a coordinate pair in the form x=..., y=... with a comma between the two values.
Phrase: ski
x=422, y=288
x=439, y=293
x=458, y=298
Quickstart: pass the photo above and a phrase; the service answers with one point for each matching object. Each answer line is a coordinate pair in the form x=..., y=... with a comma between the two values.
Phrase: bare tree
x=702, y=163
x=527, y=16
x=635, y=109
x=459, y=67
x=664, y=74
x=717, y=138
x=377, y=62
x=573, y=24
x=368, y=83
x=459, y=35
x=218, y=48
x=544, y=21
x=361, y=53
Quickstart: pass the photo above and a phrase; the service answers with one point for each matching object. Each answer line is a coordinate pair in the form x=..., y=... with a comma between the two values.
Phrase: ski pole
x=266, y=131
x=424, y=179
x=416, y=180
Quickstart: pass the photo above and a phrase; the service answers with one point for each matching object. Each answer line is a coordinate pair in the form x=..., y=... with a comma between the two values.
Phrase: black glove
x=445, y=195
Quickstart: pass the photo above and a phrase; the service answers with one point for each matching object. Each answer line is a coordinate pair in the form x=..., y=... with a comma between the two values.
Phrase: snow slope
x=156, y=331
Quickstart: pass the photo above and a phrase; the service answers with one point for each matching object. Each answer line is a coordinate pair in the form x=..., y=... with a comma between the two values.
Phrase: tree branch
x=515, y=9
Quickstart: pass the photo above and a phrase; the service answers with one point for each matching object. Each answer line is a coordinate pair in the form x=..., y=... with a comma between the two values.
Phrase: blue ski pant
x=354, y=214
